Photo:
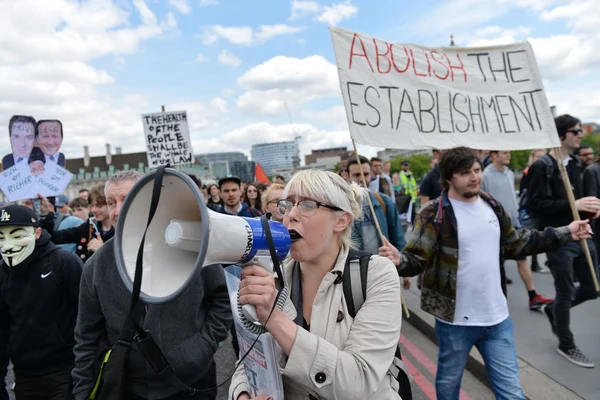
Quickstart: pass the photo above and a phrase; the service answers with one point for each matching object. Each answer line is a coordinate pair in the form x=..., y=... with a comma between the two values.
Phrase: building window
x=125, y=167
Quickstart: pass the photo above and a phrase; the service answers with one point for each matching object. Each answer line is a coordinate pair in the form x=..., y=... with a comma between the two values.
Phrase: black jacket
x=80, y=235
x=552, y=209
x=38, y=310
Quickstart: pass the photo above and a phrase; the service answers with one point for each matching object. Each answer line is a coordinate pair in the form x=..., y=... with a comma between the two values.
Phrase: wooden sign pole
x=381, y=236
x=571, y=197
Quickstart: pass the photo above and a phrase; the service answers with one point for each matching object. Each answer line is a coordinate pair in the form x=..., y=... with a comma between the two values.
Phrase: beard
x=469, y=194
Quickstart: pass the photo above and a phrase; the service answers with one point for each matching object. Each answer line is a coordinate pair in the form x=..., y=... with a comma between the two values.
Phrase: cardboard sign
x=36, y=163
x=409, y=96
x=167, y=139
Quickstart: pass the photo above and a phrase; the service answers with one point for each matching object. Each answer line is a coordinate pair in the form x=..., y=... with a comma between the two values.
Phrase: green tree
x=518, y=159
x=419, y=164
x=592, y=140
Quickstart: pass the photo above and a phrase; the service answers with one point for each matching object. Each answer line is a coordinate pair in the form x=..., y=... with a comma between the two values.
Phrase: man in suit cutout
x=22, y=133
x=49, y=135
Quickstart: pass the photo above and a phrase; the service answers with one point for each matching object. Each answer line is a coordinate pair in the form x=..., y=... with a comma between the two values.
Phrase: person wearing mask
x=270, y=199
x=39, y=291
x=460, y=240
x=91, y=234
x=326, y=353
x=187, y=329
x=549, y=205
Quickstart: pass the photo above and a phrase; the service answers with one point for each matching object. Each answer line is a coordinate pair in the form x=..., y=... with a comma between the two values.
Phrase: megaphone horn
x=183, y=237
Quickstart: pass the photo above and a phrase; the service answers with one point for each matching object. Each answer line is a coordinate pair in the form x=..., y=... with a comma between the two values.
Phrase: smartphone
x=37, y=206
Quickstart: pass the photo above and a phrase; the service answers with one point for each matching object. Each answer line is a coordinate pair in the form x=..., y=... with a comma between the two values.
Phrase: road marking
x=425, y=361
x=421, y=381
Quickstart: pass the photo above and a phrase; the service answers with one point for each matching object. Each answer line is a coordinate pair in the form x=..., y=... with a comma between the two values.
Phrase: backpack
x=550, y=169
x=355, y=291
x=58, y=218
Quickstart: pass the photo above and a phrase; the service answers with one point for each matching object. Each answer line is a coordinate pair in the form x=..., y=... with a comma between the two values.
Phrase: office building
x=342, y=153
x=276, y=155
x=230, y=156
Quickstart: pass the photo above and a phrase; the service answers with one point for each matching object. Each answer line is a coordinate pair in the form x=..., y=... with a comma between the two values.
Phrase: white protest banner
x=167, y=138
x=409, y=96
x=52, y=182
x=16, y=182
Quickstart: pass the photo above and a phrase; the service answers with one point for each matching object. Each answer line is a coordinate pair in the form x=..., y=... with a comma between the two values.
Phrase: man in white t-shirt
x=460, y=240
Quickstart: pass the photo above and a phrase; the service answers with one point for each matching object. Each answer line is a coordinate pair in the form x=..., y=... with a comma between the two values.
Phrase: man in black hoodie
x=39, y=291
x=548, y=205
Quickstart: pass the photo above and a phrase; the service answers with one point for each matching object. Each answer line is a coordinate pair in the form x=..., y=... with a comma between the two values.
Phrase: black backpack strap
x=548, y=162
x=354, y=280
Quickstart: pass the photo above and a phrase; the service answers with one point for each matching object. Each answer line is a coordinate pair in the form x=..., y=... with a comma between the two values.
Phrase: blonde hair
x=329, y=188
x=532, y=154
x=271, y=189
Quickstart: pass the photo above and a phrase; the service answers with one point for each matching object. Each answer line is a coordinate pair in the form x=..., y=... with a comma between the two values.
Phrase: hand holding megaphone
x=257, y=292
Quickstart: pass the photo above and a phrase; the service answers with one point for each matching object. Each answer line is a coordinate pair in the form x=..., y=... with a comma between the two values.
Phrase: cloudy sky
x=234, y=65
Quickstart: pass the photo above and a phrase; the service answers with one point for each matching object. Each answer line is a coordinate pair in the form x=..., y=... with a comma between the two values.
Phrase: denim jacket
x=389, y=221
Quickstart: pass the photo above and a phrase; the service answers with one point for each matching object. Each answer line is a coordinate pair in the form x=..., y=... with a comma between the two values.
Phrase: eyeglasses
x=576, y=131
x=274, y=201
x=307, y=208
x=251, y=191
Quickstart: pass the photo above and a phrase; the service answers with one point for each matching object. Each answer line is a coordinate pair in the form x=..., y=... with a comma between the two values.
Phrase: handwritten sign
x=414, y=97
x=18, y=182
x=167, y=138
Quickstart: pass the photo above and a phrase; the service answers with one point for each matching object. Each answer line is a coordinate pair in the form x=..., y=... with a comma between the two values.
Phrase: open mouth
x=294, y=235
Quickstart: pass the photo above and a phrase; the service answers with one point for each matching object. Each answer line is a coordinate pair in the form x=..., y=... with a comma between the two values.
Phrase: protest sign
x=261, y=365
x=409, y=96
x=167, y=138
x=35, y=164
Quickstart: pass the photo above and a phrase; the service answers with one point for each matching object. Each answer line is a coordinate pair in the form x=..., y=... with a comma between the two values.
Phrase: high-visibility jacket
x=409, y=184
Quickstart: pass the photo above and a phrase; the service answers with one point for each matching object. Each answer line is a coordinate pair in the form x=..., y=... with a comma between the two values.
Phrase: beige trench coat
x=346, y=360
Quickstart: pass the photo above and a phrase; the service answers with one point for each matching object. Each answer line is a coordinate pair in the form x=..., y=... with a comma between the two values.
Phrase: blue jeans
x=497, y=347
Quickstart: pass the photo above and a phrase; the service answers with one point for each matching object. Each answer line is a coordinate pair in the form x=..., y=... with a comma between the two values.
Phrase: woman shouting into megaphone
x=334, y=347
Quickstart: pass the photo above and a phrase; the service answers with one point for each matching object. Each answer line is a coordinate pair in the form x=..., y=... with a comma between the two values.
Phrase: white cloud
x=297, y=81
x=205, y=3
x=200, y=58
x=302, y=8
x=242, y=138
x=495, y=35
x=334, y=116
x=45, y=70
x=245, y=35
x=228, y=58
x=336, y=13
x=331, y=15
x=181, y=5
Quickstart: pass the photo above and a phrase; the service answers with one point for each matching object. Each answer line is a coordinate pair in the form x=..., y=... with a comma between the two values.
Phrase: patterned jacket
x=433, y=248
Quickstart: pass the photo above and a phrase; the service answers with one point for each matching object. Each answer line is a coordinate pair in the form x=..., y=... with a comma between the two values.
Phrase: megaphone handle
x=250, y=313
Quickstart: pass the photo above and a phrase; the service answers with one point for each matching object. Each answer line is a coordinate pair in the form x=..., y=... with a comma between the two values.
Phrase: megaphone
x=184, y=236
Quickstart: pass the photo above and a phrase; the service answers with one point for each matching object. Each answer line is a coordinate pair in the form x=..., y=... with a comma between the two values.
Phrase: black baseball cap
x=230, y=178
x=15, y=215
x=405, y=162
